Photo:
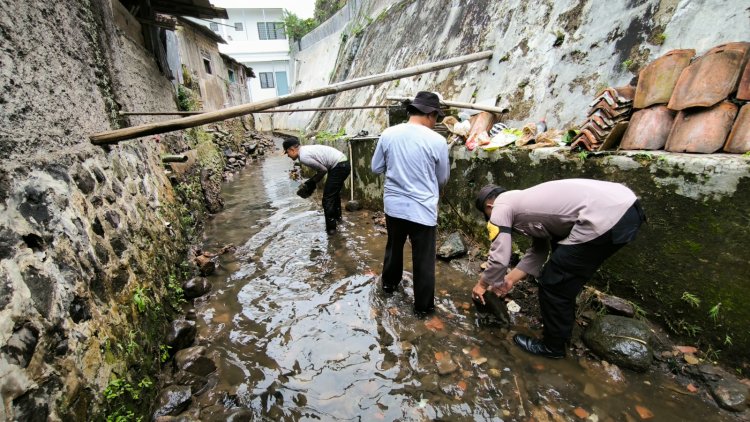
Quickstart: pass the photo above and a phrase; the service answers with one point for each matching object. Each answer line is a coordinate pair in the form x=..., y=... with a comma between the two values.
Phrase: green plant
x=187, y=100
x=296, y=27
x=176, y=296
x=140, y=299
x=640, y=313
x=691, y=299
x=660, y=38
x=728, y=340
x=713, y=313
x=626, y=64
x=324, y=136
x=583, y=155
x=559, y=38
x=397, y=83
x=505, y=58
x=164, y=352
x=523, y=84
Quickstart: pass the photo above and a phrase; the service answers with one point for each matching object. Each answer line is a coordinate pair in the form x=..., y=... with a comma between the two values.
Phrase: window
x=231, y=75
x=266, y=79
x=271, y=31
x=238, y=26
x=214, y=26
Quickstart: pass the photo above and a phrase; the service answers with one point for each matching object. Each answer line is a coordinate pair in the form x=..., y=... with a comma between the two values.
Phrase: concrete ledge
x=696, y=240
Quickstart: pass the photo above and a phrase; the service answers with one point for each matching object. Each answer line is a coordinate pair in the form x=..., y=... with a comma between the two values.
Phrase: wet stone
x=196, y=287
x=193, y=360
x=172, y=400
x=616, y=305
x=730, y=394
x=181, y=335
x=446, y=365
x=622, y=341
x=452, y=247
x=21, y=345
x=206, y=265
x=99, y=175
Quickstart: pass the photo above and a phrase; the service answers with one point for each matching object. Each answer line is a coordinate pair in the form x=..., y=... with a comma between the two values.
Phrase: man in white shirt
x=415, y=161
x=325, y=160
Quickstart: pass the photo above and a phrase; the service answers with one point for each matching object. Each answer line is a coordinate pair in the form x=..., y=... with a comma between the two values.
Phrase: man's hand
x=502, y=289
x=477, y=293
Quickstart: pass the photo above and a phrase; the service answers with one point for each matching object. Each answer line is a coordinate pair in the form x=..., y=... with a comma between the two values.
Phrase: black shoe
x=389, y=289
x=537, y=347
x=331, y=232
x=424, y=314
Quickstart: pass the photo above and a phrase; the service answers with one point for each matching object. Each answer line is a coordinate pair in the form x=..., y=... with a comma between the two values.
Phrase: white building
x=255, y=37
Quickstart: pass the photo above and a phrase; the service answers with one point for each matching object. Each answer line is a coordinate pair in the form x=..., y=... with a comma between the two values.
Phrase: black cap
x=489, y=191
x=426, y=102
x=288, y=143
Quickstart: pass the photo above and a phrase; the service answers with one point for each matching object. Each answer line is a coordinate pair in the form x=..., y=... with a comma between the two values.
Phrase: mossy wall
x=695, y=240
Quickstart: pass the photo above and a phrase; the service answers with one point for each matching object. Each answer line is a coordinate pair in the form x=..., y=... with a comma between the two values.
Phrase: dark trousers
x=332, y=193
x=423, y=260
x=570, y=267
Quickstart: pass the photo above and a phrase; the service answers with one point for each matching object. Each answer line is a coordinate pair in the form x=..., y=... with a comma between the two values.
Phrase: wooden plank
x=114, y=136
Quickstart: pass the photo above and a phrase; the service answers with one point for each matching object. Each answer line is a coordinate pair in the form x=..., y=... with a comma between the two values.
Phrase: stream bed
x=300, y=330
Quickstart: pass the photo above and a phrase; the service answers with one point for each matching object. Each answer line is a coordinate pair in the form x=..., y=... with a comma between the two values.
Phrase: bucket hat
x=426, y=102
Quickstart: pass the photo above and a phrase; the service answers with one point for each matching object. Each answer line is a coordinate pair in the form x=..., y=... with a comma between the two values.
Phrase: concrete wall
x=81, y=227
x=600, y=44
x=695, y=240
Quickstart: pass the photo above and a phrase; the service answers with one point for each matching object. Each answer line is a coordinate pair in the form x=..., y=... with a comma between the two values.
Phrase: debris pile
x=607, y=118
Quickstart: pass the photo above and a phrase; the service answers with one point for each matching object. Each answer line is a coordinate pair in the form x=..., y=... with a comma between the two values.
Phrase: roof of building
x=202, y=29
x=248, y=70
x=195, y=8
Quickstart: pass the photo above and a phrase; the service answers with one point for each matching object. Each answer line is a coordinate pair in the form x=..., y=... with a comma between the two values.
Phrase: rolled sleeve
x=535, y=256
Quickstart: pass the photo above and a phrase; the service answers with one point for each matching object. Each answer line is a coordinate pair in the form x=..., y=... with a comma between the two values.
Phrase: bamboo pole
x=114, y=136
x=456, y=104
x=273, y=110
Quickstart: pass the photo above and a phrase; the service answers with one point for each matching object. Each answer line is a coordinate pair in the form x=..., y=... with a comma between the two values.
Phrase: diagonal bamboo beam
x=457, y=104
x=115, y=136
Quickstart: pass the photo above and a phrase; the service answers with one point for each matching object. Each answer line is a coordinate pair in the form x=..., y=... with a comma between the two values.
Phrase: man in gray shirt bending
x=324, y=160
x=415, y=161
x=583, y=222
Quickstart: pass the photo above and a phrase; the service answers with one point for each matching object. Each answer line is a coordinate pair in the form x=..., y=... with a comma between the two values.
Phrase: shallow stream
x=300, y=331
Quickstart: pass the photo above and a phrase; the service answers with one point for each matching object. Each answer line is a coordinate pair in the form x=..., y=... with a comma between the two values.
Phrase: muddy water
x=300, y=331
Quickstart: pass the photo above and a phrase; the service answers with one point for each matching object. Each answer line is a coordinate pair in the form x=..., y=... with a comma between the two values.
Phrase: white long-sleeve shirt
x=415, y=161
x=321, y=158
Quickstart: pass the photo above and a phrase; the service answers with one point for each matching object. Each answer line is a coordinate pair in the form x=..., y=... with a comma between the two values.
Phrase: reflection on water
x=300, y=331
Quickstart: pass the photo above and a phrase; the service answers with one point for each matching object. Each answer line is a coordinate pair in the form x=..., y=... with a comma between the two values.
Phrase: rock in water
x=196, y=287
x=623, y=341
x=181, y=335
x=453, y=247
x=494, y=305
x=172, y=401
